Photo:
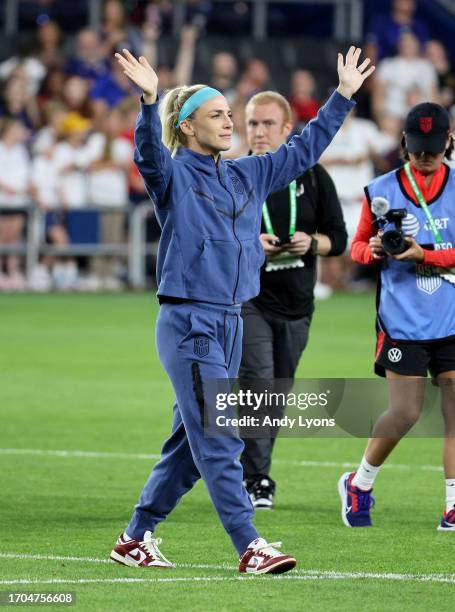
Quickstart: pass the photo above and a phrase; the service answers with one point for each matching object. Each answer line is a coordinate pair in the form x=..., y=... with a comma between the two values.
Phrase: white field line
x=298, y=574
x=145, y=456
x=75, y=453
x=108, y=561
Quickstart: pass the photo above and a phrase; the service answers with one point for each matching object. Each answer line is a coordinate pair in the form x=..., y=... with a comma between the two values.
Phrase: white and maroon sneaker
x=263, y=558
x=139, y=553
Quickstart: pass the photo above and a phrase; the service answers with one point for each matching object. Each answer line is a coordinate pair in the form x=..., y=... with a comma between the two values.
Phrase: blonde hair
x=267, y=97
x=173, y=137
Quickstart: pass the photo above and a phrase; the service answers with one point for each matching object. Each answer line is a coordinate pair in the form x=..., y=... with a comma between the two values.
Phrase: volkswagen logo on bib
x=394, y=355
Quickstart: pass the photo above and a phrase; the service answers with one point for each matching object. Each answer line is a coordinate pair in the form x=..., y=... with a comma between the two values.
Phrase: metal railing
x=135, y=249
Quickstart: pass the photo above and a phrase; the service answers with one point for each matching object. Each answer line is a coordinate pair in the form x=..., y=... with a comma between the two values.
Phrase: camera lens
x=393, y=242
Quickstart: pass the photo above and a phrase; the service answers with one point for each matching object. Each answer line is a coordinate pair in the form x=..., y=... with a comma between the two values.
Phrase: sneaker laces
x=270, y=548
x=151, y=546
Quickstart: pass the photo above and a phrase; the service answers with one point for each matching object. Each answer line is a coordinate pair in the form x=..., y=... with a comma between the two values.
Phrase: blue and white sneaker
x=355, y=503
x=447, y=521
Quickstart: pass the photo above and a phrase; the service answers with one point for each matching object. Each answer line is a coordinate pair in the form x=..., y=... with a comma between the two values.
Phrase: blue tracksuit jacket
x=210, y=213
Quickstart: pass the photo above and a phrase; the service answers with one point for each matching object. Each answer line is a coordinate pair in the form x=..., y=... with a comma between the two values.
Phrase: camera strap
x=423, y=204
x=292, y=211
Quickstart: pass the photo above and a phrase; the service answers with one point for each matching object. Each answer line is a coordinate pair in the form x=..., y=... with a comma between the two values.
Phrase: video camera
x=393, y=241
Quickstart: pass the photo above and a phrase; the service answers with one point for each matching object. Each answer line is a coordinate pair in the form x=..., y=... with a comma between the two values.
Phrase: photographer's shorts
x=414, y=358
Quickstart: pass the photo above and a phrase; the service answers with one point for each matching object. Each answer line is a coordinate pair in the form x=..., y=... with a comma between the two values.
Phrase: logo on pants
x=201, y=346
x=394, y=355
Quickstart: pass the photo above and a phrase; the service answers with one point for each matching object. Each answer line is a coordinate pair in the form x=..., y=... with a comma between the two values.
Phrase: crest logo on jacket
x=201, y=346
x=238, y=187
x=425, y=124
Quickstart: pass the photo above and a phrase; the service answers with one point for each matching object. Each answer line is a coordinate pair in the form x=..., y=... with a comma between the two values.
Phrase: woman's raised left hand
x=352, y=76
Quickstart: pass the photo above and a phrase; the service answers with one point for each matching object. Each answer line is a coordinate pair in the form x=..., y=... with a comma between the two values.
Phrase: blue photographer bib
x=417, y=302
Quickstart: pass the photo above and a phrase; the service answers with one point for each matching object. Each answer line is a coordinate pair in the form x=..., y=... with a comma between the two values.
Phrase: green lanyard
x=422, y=203
x=292, y=211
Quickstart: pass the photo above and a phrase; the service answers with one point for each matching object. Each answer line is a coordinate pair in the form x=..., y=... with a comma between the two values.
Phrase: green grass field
x=80, y=373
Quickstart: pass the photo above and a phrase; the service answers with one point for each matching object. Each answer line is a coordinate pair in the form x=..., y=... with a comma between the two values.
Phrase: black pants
x=271, y=350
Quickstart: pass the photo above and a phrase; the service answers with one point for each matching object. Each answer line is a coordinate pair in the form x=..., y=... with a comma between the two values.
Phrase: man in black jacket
x=298, y=224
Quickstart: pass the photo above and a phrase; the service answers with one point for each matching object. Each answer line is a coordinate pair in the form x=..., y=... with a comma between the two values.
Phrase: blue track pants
x=195, y=342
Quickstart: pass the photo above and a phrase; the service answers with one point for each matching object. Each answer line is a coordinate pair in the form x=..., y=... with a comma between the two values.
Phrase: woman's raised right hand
x=141, y=73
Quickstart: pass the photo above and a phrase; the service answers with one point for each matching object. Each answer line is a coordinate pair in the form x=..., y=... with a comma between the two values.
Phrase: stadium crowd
x=67, y=116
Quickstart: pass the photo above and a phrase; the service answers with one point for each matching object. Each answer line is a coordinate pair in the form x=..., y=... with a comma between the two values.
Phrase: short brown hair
x=267, y=97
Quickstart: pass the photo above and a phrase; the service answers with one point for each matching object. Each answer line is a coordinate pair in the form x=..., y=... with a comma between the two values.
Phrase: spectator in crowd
x=436, y=53
x=390, y=128
x=224, y=73
x=17, y=103
x=242, y=93
x=116, y=32
x=157, y=13
x=44, y=183
x=385, y=30
x=349, y=161
x=45, y=174
x=76, y=96
x=253, y=80
x=182, y=72
x=71, y=159
x=49, y=37
x=45, y=139
x=26, y=64
x=110, y=160
x=110, y=89
x=52, y=86
x=89, y=61
x=257, y=74
x=14, y=193
x=129, y=110
x=302, y=97
x=399, y=78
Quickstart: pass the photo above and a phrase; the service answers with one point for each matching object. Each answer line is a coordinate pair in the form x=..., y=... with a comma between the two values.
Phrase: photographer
x=299, y=223
x=416, y=299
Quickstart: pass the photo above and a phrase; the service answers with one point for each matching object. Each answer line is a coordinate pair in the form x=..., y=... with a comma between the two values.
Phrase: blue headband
x=195, y=101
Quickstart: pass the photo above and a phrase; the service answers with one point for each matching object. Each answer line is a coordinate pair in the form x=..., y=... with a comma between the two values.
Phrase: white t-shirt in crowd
x=45, y=180
x=44, y=138
x=72, y=185
x=401, y=76
x=356, y=138
x=109, y=187
x=15, y=166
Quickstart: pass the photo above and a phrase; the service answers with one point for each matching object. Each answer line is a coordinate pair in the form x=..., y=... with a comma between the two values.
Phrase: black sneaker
x=261, y=492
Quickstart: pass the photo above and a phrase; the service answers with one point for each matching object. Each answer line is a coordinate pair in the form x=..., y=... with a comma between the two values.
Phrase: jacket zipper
x=233, y=230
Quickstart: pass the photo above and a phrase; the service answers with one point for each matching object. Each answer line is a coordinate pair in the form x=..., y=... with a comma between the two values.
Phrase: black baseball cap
x=427, y=127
